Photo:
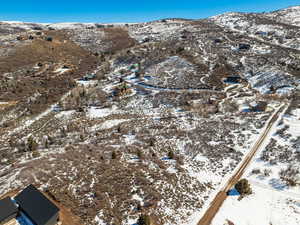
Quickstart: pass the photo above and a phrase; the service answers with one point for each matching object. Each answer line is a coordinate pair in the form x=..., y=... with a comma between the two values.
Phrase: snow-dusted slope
x=22, y=25
x=253, y=23
x=264, y=27
x=161, y=88
x=13, y=27
x=157, y=30
x=289, y=15
x=264, y=81
x=59, y=26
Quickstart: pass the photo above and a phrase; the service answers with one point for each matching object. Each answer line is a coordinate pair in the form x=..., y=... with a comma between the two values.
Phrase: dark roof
x=35, y=205
x=232, y=79
x=7, y=208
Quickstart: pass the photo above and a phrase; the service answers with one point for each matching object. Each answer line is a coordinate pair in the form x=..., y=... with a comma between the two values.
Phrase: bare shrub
x=291, y=175
x=256, y=171
x=267, y=172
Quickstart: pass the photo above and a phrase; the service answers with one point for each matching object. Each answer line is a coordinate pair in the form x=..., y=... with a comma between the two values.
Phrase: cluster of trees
x=30, y=145
x=81, y=97
x=243, y=187
x=122, y=89
x=144, y=220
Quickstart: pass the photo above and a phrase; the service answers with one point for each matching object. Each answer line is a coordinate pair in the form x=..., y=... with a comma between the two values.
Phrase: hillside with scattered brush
x=118, y=122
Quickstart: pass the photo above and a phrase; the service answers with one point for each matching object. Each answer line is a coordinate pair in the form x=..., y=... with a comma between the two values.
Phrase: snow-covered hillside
x=275, y=200
x=289, y=15
x=117, y=121
x=262, y=27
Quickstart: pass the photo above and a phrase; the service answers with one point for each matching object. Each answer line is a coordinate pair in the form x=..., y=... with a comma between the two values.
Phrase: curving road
x=144, y=85
x=221, y=196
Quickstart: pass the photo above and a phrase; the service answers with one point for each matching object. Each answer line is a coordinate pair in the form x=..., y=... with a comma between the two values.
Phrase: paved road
x=221, y=196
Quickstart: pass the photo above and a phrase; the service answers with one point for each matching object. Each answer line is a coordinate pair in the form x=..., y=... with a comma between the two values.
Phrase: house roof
x=36, y=206
x=7, y=208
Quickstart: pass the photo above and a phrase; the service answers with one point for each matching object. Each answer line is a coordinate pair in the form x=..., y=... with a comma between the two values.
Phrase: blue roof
x=233, y=192
x=246, y=110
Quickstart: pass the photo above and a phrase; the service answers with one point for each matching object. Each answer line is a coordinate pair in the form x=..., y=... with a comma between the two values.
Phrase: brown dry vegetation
x=50, y=86
x=92, y=166
x=118, y=38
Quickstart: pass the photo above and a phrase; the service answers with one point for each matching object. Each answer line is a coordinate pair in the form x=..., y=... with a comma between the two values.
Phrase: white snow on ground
x=263, y=207
x=22, y=25
x=272, y=201
x=273, y=181
x=29, y=122
x=109, y=124
x=95, y=112
x=86, y=83
x=65, y=114
x=137, y=197
x=156, y=30
x=61, y=70
x=290, y=15
x=129, y=139
x=71, y=25
x=293, y=122
x=263, y=81
x=231, y=20
x=9, y=181
x=239, y=22
x=217, y=180
x=98, y=219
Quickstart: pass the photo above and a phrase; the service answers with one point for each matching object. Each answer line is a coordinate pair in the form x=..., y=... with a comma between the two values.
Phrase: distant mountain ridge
x=290, y=15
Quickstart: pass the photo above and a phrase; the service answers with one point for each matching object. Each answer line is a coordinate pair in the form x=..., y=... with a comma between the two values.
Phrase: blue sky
x=128, y=10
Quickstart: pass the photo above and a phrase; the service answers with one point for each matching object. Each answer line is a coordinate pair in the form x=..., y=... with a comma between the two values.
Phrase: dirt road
x=221, y=196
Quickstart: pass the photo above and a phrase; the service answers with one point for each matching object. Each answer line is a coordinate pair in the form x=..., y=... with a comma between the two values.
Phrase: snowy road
x=221, y=196
x=141, y=84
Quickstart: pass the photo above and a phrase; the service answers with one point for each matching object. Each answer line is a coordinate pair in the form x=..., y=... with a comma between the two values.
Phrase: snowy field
x=273, y=201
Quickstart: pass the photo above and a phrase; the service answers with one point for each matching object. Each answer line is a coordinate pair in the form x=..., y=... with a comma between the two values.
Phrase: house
x=233, y=79
x=244, y=46
x=8, y=210
x=260, y=106
x=218, y=41
x=88, y=77
x=36, y=207
x=262, y=33
x=56, y=108
x=91, y=76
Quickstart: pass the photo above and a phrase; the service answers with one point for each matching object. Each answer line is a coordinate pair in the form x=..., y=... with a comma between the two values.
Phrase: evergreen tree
x=113, y=155
x=171, y=154
x=243, y=187
x=31, y=144
x=144, y=220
